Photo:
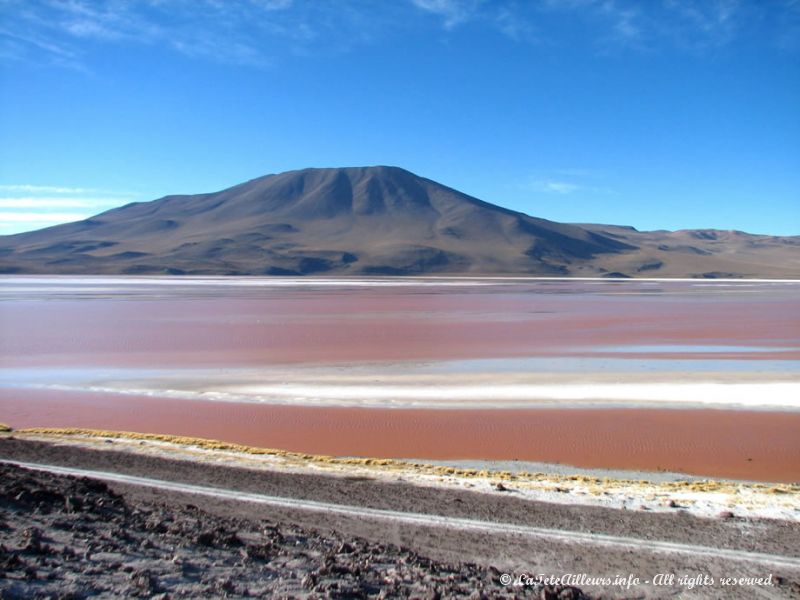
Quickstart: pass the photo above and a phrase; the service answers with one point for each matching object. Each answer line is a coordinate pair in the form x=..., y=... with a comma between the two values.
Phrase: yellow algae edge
x=709, y=485
x=210, y=444
x=5, y=428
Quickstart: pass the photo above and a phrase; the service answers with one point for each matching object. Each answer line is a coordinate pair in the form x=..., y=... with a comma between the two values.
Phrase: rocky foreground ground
x=68, y=538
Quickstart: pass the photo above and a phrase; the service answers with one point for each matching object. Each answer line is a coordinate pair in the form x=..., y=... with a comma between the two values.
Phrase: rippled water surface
x=119, y=352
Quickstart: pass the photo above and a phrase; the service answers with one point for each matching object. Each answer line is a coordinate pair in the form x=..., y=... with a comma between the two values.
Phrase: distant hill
x=374, y=221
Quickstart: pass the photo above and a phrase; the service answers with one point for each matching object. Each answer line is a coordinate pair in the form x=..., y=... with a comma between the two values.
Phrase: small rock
x=226, y=585
x=345, y=548
x=144, y=581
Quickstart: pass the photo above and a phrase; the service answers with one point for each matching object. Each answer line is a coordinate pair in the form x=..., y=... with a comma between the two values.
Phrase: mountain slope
x=704, y=253
x=344, y=221
x=373, y=220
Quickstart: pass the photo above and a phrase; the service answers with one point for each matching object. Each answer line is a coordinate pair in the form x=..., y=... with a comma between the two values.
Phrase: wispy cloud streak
x=566, y=182
x=681, y=24
x=259, y=33
x=45, y=189
x=38, y=217
x=49, y=202
x=25, y=206
x=557, y=187
x=453, y=12
x=244, y=33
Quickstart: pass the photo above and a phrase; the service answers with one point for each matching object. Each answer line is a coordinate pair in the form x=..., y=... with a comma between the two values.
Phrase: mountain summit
x=352, y=221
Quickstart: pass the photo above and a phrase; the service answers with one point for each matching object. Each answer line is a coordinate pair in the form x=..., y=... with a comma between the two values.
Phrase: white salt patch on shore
x=743, y=499
x=784, y=394
x=689, y=349
x=28, y=283
x=528, y=383
x=776, y=395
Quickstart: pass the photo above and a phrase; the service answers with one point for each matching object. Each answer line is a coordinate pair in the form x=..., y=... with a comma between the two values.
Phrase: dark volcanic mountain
x=372, y=221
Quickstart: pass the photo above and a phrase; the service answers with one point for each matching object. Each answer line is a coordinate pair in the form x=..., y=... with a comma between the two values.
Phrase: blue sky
x=657, y=113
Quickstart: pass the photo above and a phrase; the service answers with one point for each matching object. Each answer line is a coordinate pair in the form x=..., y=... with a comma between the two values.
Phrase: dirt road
x=518, y=537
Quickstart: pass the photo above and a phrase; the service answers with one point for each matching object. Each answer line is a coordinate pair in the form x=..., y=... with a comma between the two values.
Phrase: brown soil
x=279, y=548
x=71, y=538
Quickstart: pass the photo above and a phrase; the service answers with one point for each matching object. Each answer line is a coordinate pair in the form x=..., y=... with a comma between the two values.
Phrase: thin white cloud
x=556, y=187
x=223, y=50
x=45, y=189
x=42, y=44
x=51, y=202
x=617, y=22
x=693, y=25
x=626, y=25
x=515, y=26
x=91, y=29
x=700, y=25
x=273, y=4
x=244, y=33
x=261, y=33
x=25, y=206
x=685, y=24
x=567, y=181
x=454, y=12
x=18, y=46
x=39, y=217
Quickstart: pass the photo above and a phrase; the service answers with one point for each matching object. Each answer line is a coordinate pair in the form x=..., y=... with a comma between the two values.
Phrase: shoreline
x=743, y=445
x=371, y=279
x=707, y=498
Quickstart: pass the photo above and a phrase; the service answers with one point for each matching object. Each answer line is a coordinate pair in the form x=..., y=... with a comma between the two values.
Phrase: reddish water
x=760, y=446
x=50, y=324
x=227, y=327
